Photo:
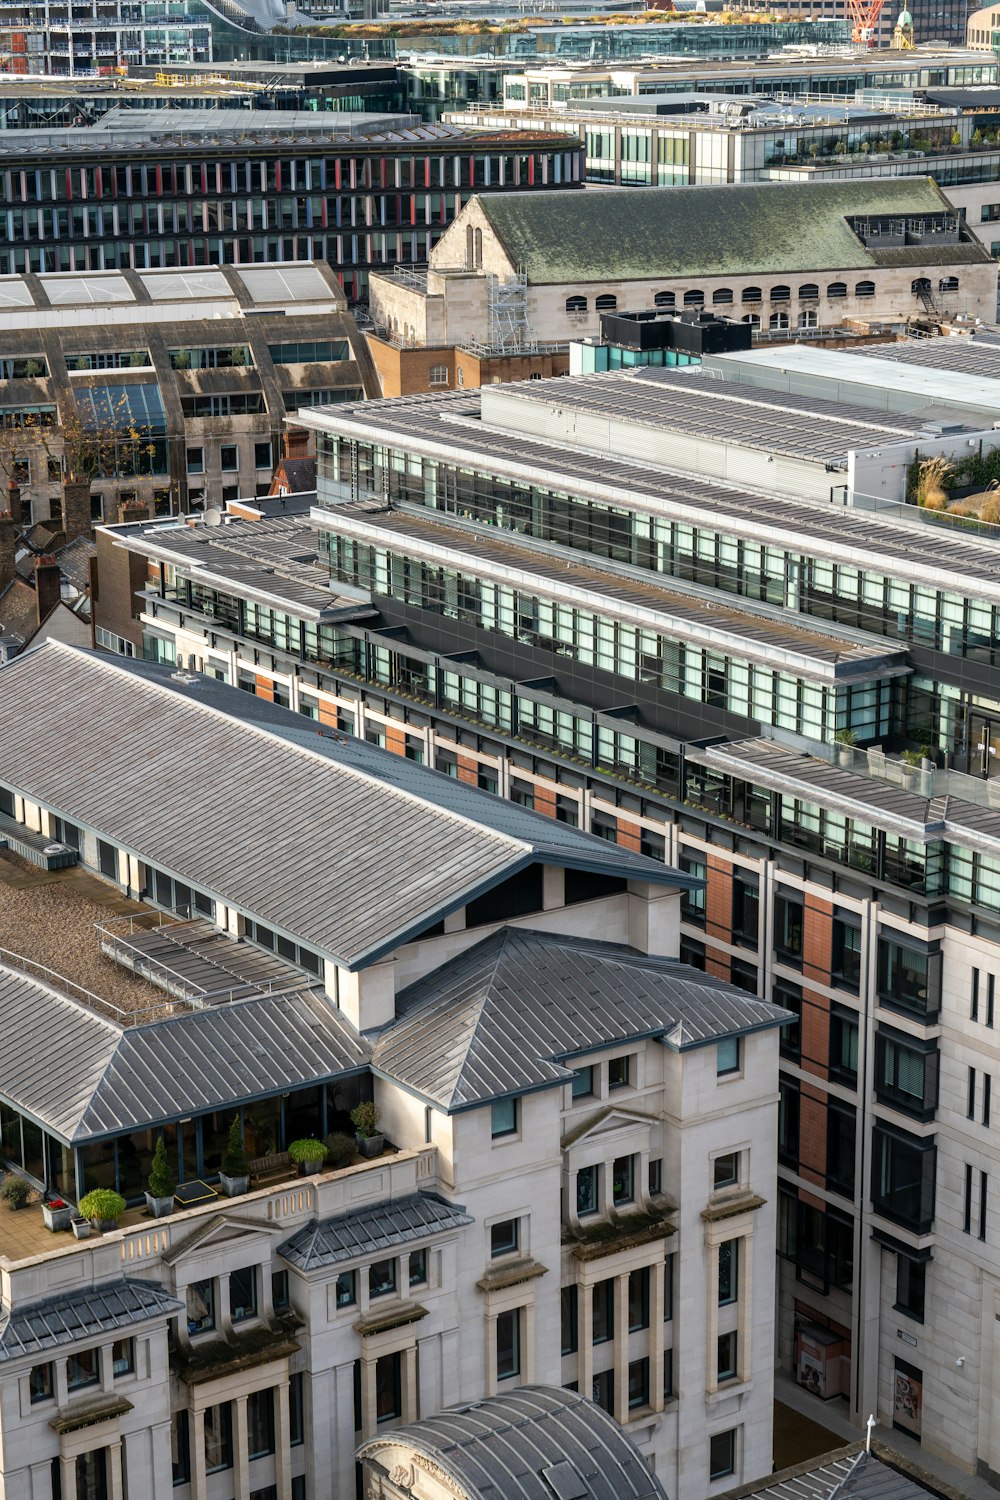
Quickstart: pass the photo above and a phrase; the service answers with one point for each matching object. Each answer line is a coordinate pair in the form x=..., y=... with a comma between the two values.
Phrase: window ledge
x=742, y=1203
x=212, y=1360
x=625, y=1233
x=90, y=1413
x=395, y=1316
x=511, y=1274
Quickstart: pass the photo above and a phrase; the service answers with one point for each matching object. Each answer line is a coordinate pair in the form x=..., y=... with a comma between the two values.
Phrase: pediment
x=221, y=1229
x=607, y=1123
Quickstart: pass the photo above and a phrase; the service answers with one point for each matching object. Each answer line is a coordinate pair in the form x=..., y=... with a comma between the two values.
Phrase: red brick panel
x=265, y=688
x=468, y=770
x=717, y=964
x=719, y=899
x=812, y=1136
x=817, y=942
x=395, y=739
x=545, y=800
x=629, y=836
x=327, y=713
x=815, y=1034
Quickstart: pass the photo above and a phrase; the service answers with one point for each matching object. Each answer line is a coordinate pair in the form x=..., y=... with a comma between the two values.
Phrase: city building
x=578, y=1189
x=698, y=617
x=671, y=340
x=219, y=189
x=164, y=386
x=781, y=256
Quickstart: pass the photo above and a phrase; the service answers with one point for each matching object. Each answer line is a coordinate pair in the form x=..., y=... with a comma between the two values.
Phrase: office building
x=697, y=616
x=575, y=1194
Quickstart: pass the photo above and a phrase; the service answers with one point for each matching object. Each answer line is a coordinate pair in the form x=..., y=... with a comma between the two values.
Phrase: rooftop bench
x=278, y=1164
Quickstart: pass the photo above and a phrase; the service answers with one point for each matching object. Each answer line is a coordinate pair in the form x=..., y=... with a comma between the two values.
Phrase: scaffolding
x=509, y=329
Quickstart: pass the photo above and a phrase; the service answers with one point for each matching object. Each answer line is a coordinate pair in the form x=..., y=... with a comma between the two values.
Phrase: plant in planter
x=340, y=1149
x=15, y=1192
x=309, y=1155
x=846, y=740
x=80, y=1227
x=235, y=1174
x=103, y=1207
x=160, y=1191
x=365, y=1119
x=57, y=1214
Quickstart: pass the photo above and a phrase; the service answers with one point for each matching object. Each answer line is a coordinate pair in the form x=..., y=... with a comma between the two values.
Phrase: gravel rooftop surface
x=49, y=916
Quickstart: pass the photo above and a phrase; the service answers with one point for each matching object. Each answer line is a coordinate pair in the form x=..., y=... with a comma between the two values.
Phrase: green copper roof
x=633, y=234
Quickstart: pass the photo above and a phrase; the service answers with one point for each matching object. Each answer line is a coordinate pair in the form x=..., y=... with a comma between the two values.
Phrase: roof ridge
x=505, y=936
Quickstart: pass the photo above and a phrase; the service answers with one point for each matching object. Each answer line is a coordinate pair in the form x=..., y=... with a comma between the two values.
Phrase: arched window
x=781, y=294
x=836, y=289
x=722, y=296
x=809, y=318
x=576, y=304
x=438, y=375
x=694, y=298
x=864, y=289
x=808, y=292
x=921, y=287
x=752, y=294
x=606, y=302
x=778, y=320
x=753, y=319
x=665, y=299
x=948, y=284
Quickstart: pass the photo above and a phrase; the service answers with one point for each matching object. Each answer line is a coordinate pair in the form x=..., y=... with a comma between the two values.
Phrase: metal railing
x=87, y=997
x=157, y=971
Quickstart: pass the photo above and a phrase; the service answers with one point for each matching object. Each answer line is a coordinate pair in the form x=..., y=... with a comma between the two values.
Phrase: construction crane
x=863, y=16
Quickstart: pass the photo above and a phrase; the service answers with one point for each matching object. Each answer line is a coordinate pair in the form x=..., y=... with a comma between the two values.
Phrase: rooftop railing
x=104, y=1007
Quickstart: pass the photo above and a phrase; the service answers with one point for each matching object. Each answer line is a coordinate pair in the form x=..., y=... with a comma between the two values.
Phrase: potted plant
x=365, y=1119
x=846, y=740
x=15, y=1192
x=80, y=1227
x=340, y=1149
x=160, y=1191
x=103, y=1207
x=309, y=1155
x=235, y=1174
x=57, y=1214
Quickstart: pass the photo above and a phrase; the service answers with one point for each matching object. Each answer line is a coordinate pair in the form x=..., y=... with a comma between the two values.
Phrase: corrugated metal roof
x=84, y=1077
x=84, y=1313
x=376, y=1226
x=358, y=858
x=523, y=1445
x=859, y=1476
x=497, y=1019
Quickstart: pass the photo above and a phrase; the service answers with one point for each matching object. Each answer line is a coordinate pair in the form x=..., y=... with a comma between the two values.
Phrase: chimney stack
x=76, y=509
x=48, y=586
x=295, y=442
x=132, y=511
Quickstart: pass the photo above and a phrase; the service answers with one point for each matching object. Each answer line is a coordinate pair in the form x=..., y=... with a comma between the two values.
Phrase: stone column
x=657, y=1306
x=369, y=1398
x=283, y=1441
x=67, y=1476
x=196, y=1455
x=116, y=1486
x=241, y=1449
x=491, y=1354
x=528, y=1363
x=621, y=1349
x=585, y=1339
x=411, y=1401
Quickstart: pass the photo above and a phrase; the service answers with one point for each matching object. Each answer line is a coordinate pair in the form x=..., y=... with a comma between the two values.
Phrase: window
x=218, y=1438
x=504, y=1238
x=606, y=302
x=41, y=1383
x=753, y=319
x=638, y=1299
x=903, y=1169
x=296, y=1410
x=229, y=456
x=726, y=1170
x=669, y=299
x=668, y=1288
x=123, y=1357
x=200, y=1307
x=788, y=928
x=694, y=298
x=864, y=289
x=788, y=1122
x=722, y=1454
x=418, y=1267
x=836, y=290
x=437, y=375
x=911, y=1284
x=623, y=1180
x=243, y=1294
x=92, y=1475
x=752, y=294
x=260, y=1423
x=970, y=1176
x=569, y=1305
x=906, y=1072
x=655, y=1176
x=727, y=1056
x=586, y=1191
x=508, y=1344
x=279, y=1290
x=604, y=1391
x=693, y=902
x=845, y=963
x=388, y=1388
x=781, y=294
x=726, y=1357
x=843, y=1045
x=729, y=1272
x=948, y=284
x=180, y=1448
x=619, y=1069
x=347, y=1293
x=583, y=1083
x=668, y=1374
x=638, y=1383
x=603, y=1295
x=778, y=320
x=841, y=1133
x=990, y=213
x=722, y=296
x=808, y=292
x=576, y=304
x=908, y=977
x=196, y=460
x=808, y=318
x=504, y=1118
x=746, y=909
x=83, y=1368
x=381, y=1278
x=262, y=458
x=789, y=997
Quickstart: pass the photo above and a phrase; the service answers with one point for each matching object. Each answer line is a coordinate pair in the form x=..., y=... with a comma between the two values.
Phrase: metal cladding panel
x=499, y=1018
x=82, y=1314
x=506, y=1448
x=377, y=1226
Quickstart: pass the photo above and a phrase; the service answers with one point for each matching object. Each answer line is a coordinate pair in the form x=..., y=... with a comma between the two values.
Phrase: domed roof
x=905, y=19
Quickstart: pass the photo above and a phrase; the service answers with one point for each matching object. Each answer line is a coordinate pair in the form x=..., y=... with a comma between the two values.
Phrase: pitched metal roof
x=84, y=1313
x=736, y=230
x=858, y=1476
x=360, y=855
x=499, y=1018
x=376, y=1226
x=84, y=1077
x=535, y=1443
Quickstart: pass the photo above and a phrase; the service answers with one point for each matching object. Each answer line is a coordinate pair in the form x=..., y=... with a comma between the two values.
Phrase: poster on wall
x=908, y=1396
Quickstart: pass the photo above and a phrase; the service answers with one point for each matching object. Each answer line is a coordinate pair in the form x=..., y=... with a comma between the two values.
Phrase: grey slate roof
x=327, y=842
x=498, y=1019
x=84, y=1077
x=84, y=1313
x=859, y=1476
x=736, y=230
x=531, y=1444
x=376, y=1226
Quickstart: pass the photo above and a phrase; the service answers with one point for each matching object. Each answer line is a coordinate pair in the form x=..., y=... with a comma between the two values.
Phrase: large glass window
x=729, y=1272
x=638, y=1299
x=722, y=1454
x=845, y=962
x=389, y=1388
x=243, y=1294
x=841, y=1134
x=908, y=977
x=903, y=1170
x=603, y=1311
x=508, y=1344
x=789, y=997
x=218, y=1437
x=260, y=1423
x=83, y=1368
x=911, y=1282
x=906, y=1072
x=623, y=1180
x=844, y=1045
x=200, y=1307
x=569, y=1298
x=180, y=1450
x=788, y=928
x=586, y=1191
x=382, y=1278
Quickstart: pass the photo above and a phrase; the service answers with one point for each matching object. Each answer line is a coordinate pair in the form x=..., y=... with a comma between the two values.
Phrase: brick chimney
x=132, y=511
x=295, y=442
x=48, y=586
x=8, y=549
x=76, y=509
